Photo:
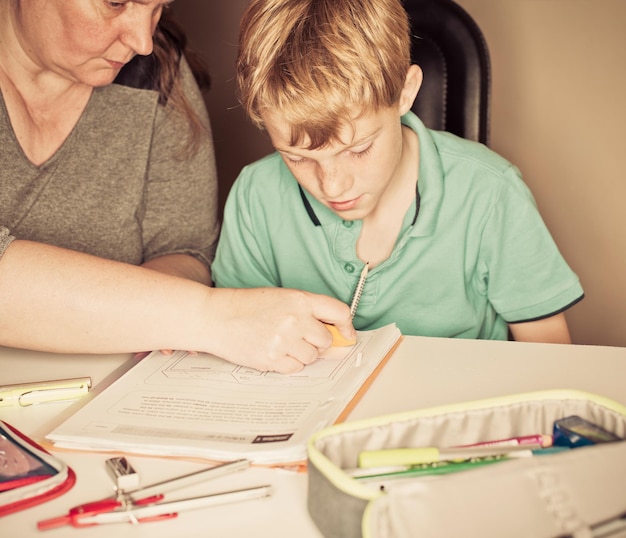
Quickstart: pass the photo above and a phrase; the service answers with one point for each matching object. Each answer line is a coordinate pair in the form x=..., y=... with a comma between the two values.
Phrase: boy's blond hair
x=321, y=63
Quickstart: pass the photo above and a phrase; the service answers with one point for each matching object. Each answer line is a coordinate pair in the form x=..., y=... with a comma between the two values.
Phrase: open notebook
x=198, y=405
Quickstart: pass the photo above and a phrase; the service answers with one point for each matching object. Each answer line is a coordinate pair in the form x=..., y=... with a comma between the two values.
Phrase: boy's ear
x=412, y=84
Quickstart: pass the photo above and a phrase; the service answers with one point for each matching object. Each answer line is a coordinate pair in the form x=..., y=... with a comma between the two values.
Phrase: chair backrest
x=452, y=52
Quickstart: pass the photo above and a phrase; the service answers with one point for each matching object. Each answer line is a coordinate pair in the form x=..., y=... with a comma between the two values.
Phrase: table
x=423, y=372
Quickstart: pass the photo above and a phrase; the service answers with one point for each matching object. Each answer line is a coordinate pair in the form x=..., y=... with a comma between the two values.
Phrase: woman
x=97, y=177
x=107, y=157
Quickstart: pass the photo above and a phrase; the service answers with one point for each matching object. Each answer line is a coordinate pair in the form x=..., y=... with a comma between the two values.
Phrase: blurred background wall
x=558, y=112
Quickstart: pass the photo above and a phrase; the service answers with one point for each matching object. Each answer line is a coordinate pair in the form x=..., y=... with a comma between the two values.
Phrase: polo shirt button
x=349, y=267
x=348, y=223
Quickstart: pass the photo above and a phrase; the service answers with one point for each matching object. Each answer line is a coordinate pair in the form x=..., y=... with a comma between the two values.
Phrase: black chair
x=452, y=52
x=143, y=71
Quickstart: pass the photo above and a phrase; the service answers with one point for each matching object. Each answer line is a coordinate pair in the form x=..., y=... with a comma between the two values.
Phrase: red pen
x=144, y=504
x=538, y=440
x=112, y=511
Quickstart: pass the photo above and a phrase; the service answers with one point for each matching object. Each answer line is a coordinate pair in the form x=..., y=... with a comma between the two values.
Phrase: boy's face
x=350, y=176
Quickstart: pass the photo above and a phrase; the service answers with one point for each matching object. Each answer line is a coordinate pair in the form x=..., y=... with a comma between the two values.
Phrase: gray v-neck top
x=119, y=187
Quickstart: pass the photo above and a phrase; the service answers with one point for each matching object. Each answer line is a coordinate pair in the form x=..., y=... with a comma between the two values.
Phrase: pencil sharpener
x=122, y=473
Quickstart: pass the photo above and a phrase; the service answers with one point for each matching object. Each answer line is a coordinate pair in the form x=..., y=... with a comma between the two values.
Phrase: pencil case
x=572, y=493
x=29, y=475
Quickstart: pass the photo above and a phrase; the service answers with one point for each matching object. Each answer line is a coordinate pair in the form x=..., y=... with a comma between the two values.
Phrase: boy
x=453, y=240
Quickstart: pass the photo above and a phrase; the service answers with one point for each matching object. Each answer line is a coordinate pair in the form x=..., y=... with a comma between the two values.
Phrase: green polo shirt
x=472, y=255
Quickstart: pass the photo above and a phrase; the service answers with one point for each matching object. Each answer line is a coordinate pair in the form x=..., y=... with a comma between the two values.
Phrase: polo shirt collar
x=428, y=195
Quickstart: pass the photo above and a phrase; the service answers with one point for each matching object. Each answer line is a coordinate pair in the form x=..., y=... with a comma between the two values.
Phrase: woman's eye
x=115, y=5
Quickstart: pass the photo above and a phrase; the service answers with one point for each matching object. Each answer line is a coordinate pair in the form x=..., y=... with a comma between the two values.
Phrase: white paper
x=202, y=406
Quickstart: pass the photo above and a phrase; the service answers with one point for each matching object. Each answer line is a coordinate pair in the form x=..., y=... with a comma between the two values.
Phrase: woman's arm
x=180, y=213
x=52, y=299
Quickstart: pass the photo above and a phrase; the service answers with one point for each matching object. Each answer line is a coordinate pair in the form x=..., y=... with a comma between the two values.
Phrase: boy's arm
x=549, y=330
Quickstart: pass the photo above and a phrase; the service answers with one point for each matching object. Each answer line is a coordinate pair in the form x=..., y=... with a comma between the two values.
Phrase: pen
x=415, y=456
x=25, y=394
x=146, y=504
x=538, y=439
x=445, y=466
x=198, y=477
x=429, y=469
x=113, y=511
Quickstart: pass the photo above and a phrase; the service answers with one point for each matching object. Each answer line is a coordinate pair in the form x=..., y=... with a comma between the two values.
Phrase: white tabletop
x=423, y=372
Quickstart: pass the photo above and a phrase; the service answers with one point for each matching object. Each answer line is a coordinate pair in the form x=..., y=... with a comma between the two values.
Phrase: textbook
x=198, y=405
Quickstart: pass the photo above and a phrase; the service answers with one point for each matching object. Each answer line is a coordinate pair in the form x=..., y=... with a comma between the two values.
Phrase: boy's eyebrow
x=365, y=138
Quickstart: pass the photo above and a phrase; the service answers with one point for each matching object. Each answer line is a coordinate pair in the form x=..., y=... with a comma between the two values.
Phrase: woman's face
x=85, y=41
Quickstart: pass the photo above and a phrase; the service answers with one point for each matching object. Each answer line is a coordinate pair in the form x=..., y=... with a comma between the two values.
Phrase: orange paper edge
x=368, y=382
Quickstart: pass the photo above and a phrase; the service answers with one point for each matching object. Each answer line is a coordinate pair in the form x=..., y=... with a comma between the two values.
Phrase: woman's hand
x=276, y=329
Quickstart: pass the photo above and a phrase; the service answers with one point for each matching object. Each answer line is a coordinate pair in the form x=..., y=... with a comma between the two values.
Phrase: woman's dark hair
x=160, y=70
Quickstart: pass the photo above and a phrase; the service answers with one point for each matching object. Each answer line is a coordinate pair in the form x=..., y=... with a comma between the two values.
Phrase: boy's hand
x=278, y=329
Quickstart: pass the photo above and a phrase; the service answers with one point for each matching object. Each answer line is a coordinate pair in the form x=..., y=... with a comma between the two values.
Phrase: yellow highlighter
x=338, y=339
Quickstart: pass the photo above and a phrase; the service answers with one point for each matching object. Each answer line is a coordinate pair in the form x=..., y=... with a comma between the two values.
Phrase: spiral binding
x=359, y=290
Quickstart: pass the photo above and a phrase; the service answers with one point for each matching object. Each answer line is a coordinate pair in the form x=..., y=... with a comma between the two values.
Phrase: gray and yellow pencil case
x=579, y=492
